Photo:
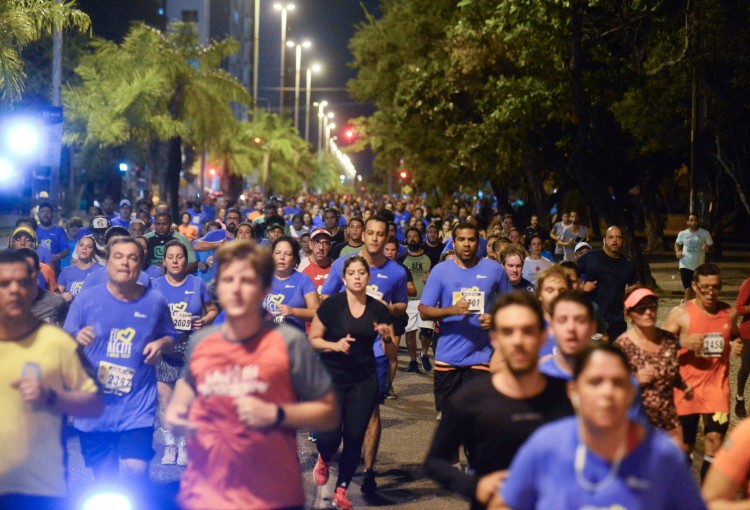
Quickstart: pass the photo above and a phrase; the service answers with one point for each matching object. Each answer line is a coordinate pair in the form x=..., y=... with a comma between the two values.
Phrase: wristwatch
x=280, y=415
x=51, y=398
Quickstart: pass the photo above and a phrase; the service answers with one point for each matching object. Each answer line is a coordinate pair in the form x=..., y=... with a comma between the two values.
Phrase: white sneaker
x=182, y=455
x=170, y=455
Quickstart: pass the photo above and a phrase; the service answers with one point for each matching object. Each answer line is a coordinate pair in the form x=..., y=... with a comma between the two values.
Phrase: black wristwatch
x=51, y=398
x=280, y=415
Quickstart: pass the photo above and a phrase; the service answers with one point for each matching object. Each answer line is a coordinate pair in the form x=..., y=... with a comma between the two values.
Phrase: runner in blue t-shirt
x=191, y=308
x=600, y=459
x=387, y=284
x=459, y=293
x=51, y=236
x=573, y=327
x=71, y=278
x=293, y=298
x=124, y=329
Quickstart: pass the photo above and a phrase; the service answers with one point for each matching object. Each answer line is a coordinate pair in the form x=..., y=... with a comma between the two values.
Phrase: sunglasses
x=641, y=308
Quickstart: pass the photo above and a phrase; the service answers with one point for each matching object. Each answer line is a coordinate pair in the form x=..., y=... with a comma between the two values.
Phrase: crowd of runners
x=230, y=328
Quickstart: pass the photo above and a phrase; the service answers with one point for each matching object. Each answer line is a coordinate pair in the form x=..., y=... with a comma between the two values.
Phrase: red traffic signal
x=404, y=174
x=349, y=134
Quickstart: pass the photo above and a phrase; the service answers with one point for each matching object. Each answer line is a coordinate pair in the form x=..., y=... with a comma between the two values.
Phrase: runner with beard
x=418, y=264
x=458, y=293
x=493, y=417
x=162, y=234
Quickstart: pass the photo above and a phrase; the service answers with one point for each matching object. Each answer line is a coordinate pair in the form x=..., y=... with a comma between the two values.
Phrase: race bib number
x=183, y=321
x=115, y=378
x=713, y=345
x=374, y=294
x=474, y=296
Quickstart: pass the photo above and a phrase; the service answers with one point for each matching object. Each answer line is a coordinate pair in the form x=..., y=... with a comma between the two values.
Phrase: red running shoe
x=321, y=471
x=340, y=500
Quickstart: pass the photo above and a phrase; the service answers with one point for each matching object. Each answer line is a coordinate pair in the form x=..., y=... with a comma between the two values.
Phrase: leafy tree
x=176, y=93
x=23, y=22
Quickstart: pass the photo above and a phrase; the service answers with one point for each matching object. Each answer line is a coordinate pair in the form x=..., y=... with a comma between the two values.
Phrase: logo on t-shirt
x=233, y=381
x=75, y=288
x=120, y=342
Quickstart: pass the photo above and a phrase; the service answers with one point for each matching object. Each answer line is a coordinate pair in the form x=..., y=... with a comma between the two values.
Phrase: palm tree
x=175, y=92
x=25, y=21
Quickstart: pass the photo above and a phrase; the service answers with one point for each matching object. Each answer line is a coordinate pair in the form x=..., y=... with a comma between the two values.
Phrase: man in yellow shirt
x=42, y=378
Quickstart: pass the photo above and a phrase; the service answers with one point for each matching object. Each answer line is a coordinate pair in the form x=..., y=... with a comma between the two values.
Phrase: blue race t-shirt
x=54, y=238
x=72, y=243
x=387, y=283
x=72, y=277
x=120, y=222
x=122, y=330
x=185, y=301
x=153, y=271
x=100, y=276
x=290, y=292
x=216, y=236
x=653, y=476
x=462, y=340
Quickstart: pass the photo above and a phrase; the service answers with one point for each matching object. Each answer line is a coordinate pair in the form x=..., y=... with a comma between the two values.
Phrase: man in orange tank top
x=707, y=333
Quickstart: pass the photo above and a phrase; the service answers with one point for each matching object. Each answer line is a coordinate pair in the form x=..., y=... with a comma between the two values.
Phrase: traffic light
x=349, y=134
x=404, y=174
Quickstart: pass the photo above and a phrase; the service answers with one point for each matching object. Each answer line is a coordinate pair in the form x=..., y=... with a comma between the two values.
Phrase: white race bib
x=115, y=378
x=474, y=296
x=375, y=294
x=183, y=321
x=713, y=345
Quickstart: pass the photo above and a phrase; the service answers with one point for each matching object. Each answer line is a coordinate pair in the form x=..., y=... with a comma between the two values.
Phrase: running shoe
x=182, y=455
x=321, y=471
x=425, y=359
x=340, y=500
x=739, y=409
x=369, y=485
x=413, y=366
x=390, y=393
x=312, y=437
x=170, y=455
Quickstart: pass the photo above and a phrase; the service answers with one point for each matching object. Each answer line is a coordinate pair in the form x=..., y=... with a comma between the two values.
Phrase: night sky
x=329, y=25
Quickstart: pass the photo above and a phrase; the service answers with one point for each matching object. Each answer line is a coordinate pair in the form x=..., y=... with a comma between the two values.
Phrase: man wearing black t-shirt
x=608, y=275
x=432, y=246
x=492, y=417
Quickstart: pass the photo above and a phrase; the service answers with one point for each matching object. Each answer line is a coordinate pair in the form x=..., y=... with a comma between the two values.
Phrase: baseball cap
x=582, y=244
x=272, y=226
x=125, y=201
x=100, y=223
x=320, y=232
x=637, y=295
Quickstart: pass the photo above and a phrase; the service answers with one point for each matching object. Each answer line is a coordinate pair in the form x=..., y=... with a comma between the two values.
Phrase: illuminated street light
x=297, y=70
x=314, y=68
x=321, y=116
x=284, y=8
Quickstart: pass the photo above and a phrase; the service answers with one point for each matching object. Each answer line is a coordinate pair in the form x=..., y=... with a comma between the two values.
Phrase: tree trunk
x=536, y=189
x=652, y=223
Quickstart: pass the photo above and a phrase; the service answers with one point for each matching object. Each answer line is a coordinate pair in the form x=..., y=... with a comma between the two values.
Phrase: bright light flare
x=7, y=171
x=23, y=136
x=108, y=501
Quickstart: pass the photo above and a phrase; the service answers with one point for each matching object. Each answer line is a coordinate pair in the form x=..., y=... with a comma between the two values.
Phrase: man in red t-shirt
x=248, y=385
x=318, y=265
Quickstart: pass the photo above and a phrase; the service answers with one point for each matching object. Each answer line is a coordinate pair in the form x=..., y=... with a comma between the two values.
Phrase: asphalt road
x=408, y=425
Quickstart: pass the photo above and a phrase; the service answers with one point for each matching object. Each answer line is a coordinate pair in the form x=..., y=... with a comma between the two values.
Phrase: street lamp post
x=256, y=54
x=297, y=70
x=311, y=69
x=321, y=116
x=284, y=8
